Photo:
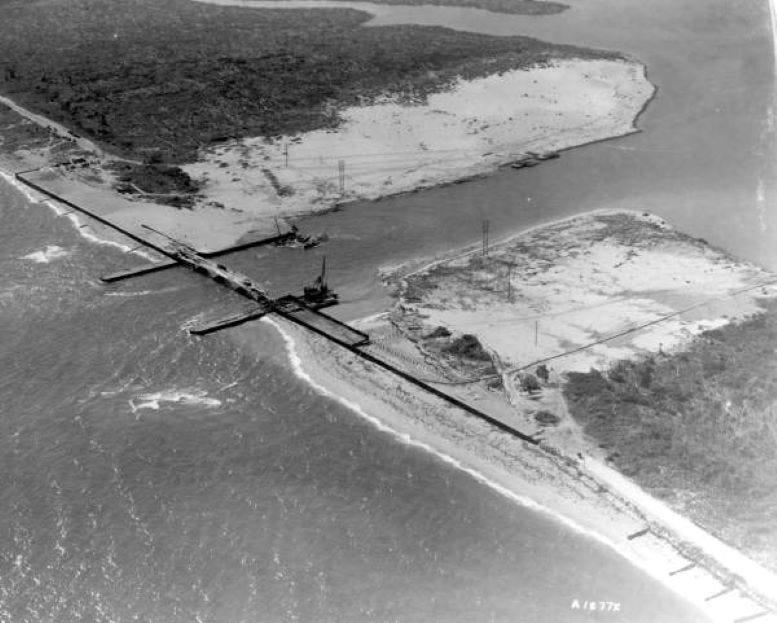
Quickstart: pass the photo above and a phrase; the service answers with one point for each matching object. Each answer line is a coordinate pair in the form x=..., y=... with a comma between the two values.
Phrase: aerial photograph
x=388, y=311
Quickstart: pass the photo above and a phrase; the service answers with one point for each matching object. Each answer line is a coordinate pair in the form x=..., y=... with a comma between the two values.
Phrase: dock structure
x=687, y=567
x=306, y=314
x=302, y=310
x=720, y=593
x=230, y=321
x=145, y=269
x=301, y=313
x=305, y=311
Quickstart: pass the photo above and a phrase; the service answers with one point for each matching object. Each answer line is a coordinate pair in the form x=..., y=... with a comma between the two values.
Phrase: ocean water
x=147, y=475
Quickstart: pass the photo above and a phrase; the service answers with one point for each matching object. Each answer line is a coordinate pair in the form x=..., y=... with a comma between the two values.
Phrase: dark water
x=252, y=497
x=274, y=504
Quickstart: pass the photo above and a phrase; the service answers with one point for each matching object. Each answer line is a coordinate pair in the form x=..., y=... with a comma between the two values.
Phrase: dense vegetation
x=18, y=133
x=698, y=427
x=163, y=183
x=467, y=346
x=174, y=75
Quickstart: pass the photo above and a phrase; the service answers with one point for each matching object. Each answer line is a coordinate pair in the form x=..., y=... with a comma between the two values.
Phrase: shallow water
x=247, y=496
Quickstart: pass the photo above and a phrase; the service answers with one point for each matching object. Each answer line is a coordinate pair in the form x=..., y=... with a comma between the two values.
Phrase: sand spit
x=390, y=147
x=600, y=287
x=381, y=149
x=587, y=276
x=584, y=292
x=563, y=488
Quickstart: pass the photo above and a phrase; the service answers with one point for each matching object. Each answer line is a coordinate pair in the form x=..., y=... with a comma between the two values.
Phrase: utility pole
x=536, y=331
x=485, y=237
x=341, y=170
x=286, y=153
x=509, y=283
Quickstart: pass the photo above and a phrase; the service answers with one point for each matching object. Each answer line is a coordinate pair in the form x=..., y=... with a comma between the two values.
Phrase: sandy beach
x=393, y=147
x=600, y=287
x=565, y=489
x=384, y=148
x=567, y=477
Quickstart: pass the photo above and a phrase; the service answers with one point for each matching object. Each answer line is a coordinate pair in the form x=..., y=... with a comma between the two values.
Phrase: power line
x=609, y=337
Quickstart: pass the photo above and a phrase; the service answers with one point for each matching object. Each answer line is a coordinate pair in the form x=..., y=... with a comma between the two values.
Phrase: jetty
x=303, y=310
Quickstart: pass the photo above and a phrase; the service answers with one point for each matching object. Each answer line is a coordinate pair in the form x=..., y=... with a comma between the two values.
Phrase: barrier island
x=240, y=116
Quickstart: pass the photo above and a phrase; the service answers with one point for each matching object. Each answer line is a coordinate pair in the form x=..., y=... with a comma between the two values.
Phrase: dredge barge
x=300, y=309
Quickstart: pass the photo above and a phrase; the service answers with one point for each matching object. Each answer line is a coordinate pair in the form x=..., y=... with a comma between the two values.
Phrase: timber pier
x=304, y=310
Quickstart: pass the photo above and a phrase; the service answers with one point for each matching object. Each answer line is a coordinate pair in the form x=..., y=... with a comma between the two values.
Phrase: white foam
x=51, y=252
x=81, y=227
x=130, y=294
x=143, y=292
x=654, y=568
x=153, y=400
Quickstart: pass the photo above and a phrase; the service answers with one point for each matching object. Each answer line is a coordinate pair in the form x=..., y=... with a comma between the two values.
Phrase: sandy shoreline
x=385, y=148
x=390, y=147
x=86, y=227
x=586, y=495
x=568, y=491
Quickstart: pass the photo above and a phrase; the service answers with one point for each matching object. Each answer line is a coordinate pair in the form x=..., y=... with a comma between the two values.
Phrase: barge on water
x=302, y=309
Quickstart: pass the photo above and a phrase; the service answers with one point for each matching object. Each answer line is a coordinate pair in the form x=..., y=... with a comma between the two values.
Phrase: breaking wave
x=153, y=400
x=143, y=292
x=633, y=558
x=51, y=252
x=299, y=371
x=81, y=227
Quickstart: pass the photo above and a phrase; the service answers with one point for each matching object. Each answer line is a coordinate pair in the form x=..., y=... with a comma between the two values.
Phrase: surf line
x=299, y=370
x=622, y=550
x=411, y=379
x=78, y=225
